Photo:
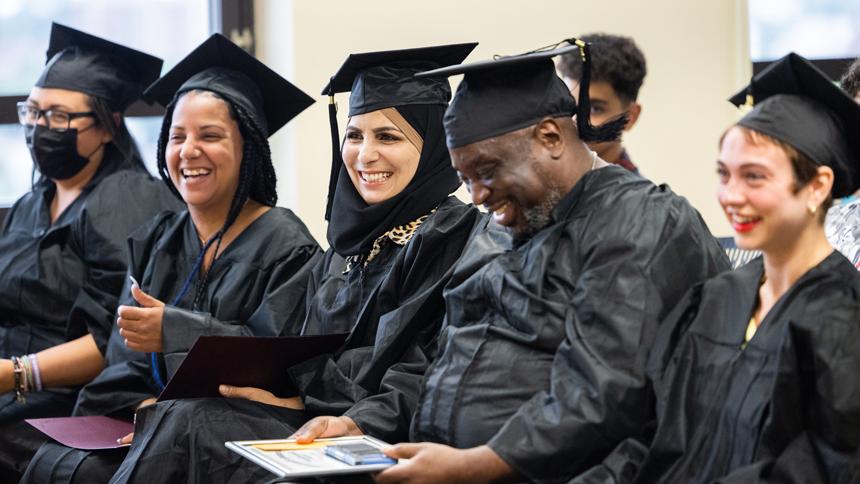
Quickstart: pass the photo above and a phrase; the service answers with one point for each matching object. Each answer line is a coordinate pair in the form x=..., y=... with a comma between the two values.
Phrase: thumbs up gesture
x=141, y=326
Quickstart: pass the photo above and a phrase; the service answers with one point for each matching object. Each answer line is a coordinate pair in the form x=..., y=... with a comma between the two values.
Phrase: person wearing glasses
x=62, y=256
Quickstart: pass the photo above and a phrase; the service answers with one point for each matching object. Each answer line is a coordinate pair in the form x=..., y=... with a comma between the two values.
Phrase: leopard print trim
x=400, y=235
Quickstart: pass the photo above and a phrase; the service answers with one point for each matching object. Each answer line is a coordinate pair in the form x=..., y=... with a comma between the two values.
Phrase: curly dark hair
x=851, y=80
x=615, y=59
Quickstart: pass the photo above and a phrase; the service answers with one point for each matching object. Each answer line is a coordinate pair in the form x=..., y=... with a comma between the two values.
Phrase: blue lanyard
x=153, y=357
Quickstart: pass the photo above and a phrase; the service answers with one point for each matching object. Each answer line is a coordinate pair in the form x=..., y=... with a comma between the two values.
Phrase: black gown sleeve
x=382, y=398
x=622, y=464
x=387, y=413
x=281, y=305
x=121, y=203
x=599, y=394
x=126, y=379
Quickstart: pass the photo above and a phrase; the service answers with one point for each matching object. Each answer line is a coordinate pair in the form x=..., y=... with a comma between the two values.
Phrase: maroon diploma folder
x=245, y=361
x=87, y=433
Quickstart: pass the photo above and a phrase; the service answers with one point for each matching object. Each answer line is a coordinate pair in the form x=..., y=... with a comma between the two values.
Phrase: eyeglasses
x=57, y=120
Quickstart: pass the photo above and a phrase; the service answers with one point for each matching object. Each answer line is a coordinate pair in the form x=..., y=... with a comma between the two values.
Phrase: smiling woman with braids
x=231, y=264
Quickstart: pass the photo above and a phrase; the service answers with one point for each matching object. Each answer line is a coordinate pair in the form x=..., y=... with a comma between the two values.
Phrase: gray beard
x=539, y=216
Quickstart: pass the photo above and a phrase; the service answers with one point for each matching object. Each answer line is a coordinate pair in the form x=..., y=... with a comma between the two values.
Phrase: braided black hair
x=257, y=179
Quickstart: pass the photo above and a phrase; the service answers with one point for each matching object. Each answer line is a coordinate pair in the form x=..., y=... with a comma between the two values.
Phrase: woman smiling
x=755, y=372
x=232, y=264
x=371, y=149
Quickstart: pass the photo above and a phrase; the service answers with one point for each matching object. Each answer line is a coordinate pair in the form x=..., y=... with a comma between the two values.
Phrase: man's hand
x=261, y=396
x=325, y=426
x=141, y=327
x=441, y=463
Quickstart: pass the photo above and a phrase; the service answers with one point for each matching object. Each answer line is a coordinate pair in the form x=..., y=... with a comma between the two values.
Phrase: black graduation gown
x=393, y=308
x=256, y=286
x=60, y=281
x=544, y=349
x=786, y=408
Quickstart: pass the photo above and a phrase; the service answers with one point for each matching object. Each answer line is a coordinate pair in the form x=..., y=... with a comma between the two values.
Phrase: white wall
x=696, y=51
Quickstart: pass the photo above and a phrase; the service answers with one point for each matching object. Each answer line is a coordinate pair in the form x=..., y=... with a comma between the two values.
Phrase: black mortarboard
x=512, y=92
x=798, y=104
x=384, y=79
x=378, y=80
x=223, y=67
x=82, y=62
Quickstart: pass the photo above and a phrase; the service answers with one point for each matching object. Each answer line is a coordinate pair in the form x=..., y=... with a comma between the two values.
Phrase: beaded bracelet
x=28, y=374
x=17, y=369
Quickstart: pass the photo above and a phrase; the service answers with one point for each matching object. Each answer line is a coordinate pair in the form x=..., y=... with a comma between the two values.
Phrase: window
x=824, y=31
x=166, y=28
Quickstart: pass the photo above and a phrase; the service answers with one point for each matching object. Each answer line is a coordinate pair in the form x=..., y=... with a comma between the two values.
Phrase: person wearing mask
x=755, y=371
x=617, y=72
x=62, y=259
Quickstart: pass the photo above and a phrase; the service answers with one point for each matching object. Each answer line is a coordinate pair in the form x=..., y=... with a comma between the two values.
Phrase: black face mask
x=54, y=152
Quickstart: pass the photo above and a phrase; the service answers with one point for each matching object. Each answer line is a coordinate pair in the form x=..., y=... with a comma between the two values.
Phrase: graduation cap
x=377, y=80
x=796, y=103
x=508, y=93
x=222, y=67
x=85, y=63
x=384, y=79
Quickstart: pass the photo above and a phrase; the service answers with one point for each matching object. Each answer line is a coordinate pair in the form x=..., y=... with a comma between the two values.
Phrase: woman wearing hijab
x=62, y=262
x=395, y=233
x=231, y=264
x=755, y=372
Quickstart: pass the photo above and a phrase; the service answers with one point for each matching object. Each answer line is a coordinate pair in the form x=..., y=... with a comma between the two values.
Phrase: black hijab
x=354, y=225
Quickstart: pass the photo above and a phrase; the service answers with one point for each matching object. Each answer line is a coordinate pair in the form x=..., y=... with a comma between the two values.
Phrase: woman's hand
x=130, y=437
x=141, y=327
x=261, y=396
x=146, y=403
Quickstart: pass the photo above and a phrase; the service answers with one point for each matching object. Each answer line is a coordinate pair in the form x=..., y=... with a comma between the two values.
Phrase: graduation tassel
x=609, y=131
x=336, y=160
